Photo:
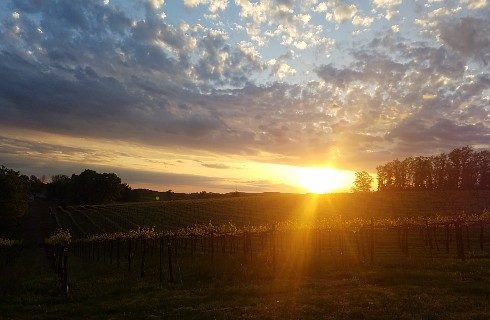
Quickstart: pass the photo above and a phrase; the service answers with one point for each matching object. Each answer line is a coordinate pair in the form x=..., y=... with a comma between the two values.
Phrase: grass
x=417, y=290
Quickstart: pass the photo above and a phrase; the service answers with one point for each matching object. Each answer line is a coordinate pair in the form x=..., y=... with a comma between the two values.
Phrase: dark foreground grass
x=417, y=290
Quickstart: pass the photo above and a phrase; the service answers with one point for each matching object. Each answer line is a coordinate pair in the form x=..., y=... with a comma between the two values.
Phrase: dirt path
x=37, y=224
x=28, y=286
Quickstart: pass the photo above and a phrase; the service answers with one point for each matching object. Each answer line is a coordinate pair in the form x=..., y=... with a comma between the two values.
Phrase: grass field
x=419, y=290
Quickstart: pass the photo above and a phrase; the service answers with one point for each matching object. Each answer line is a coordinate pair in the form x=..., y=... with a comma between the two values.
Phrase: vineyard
x=182, y=240
x=83, y=221
x=9, y=250
x=265, y=256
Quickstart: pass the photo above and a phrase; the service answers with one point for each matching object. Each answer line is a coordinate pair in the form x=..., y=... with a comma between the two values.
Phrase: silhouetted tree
x=363, y=182
x=483, y=171
x=127, y=193
x=14, y=190
x=36, y=186
x=59, y=188
x=461, y=169
x=91, y=187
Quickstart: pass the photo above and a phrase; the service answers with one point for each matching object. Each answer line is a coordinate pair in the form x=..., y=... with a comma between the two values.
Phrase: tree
x=14, y=190
x=363, y=182
x=90, y=187
x=59, y=188
x=461, y=169
x=36, y=186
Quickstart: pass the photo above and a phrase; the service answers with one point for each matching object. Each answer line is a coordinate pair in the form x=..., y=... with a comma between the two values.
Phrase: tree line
x=88, y=187
x=461, y=169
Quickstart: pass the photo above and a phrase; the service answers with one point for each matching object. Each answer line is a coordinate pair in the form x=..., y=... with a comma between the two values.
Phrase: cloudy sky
x=222, y=94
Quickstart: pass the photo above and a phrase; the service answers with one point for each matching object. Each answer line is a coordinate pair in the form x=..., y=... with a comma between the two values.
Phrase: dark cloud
x=416, y=130
x=469, y=36
x=9, y=146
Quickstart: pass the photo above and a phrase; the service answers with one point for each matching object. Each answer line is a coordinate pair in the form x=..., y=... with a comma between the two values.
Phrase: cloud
x=213, y=5
x=215, y=165
x=416, y=130
x=280, y=68
x=342, y=13
x=279, y=20
x=469, y=37
x=362, y=21
x=85, y=69
x=475, y=4
x=157, y=4
x=387, y=3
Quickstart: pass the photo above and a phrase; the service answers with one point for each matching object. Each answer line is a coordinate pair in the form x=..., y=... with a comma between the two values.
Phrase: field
x=428, y=290
x=267, y=208
x=263, y=256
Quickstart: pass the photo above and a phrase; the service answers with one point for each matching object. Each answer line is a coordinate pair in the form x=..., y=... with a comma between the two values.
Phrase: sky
x=225, y=95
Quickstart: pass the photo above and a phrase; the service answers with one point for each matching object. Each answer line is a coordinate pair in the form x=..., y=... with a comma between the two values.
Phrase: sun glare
x=323, y=180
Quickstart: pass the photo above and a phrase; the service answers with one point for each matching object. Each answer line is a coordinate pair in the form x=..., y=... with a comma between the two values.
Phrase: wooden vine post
x=371, y=241
x=274, y=253
x=160, y=275
x=64, y=271
x=405, y=240
x=482, y=235
x=129, y=253
x=169, y=255
x=143, y=250
x=448, y=235
x=459, y=240
x=117, y=253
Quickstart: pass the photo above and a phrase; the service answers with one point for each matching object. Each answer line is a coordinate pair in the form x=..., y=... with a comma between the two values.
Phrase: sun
x=323, y=180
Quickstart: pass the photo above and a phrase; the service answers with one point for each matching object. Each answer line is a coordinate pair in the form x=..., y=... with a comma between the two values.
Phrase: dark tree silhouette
x=461, y=169
x=92, y=187
x=14, y=189
x=59, y=188
x=89, y=187
x=363, y=182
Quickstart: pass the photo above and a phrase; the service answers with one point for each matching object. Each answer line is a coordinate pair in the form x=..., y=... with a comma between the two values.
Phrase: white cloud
x=280, y=68
x=390, y=14
x=321, y=7
x=342, y=13
x=255, y=33
x=255, y=11
x=475, y=4
x=250, y=52
x=304, y=18
x=362, y=21
x=157, y=4
x=387, y=3
x=441, y=12
x=213, y=5
x=388, y=6
x=301, y=45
